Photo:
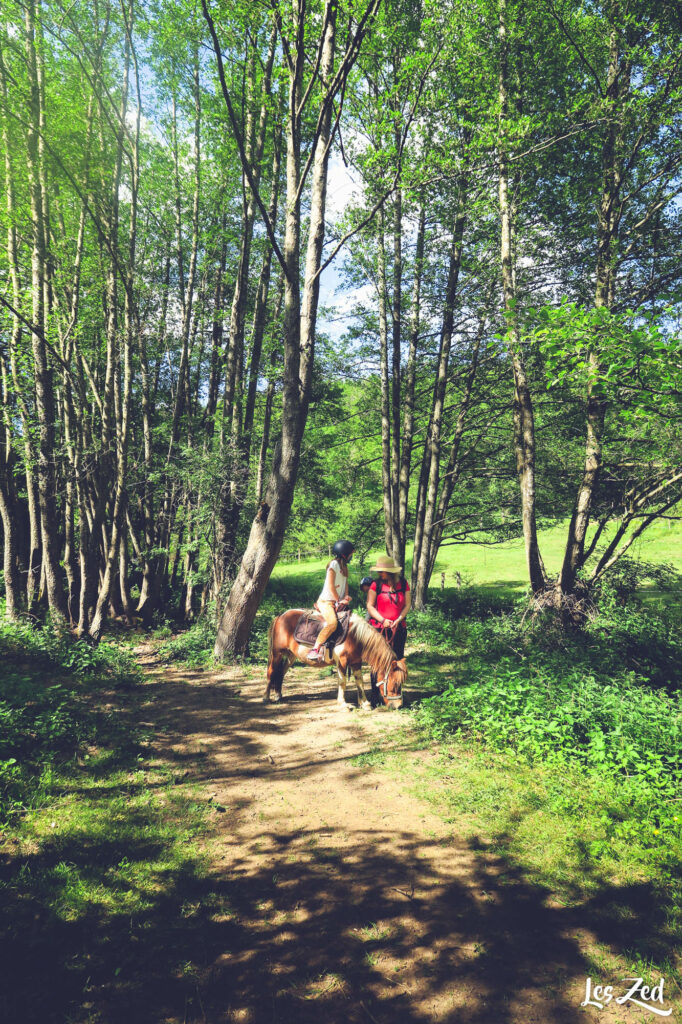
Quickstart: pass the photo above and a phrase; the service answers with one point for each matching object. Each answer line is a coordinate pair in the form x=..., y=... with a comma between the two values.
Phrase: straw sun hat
x=386, y=564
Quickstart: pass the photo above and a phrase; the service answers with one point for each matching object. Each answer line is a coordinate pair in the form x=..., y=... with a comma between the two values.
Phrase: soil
x=342, y=896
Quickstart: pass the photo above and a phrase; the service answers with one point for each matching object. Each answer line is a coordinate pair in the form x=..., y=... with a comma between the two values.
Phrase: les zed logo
x=601, y=995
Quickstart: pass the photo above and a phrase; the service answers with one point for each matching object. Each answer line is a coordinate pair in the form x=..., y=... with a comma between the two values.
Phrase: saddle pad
x=310, y=623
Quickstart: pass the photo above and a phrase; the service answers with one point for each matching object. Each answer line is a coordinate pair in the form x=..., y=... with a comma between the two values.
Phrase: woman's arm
x=372, y=606
x=408, y=605
x=331, y=582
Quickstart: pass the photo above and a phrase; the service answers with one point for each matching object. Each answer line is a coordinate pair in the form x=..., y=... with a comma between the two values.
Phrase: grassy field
x=500, y=569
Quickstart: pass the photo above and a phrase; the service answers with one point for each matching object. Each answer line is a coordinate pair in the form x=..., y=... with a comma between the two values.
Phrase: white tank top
x=340, y=580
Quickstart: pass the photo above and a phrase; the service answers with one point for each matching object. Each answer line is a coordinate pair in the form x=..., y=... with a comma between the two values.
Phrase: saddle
x=310, y=623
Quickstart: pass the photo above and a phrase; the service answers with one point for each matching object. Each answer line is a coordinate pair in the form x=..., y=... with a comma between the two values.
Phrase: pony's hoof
x=276, y=698
x=366, y=706
x=344, y=707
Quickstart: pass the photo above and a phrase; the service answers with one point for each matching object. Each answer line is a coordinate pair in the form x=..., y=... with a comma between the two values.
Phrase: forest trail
x=348, y=898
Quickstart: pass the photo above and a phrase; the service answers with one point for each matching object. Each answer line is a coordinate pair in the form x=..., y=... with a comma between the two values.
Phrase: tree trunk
x=607, y=237
x=235, y=488
x=118, y=515
x=33, y=559
x=524, y=423
x=385, y=385
x=396, y=314
x=408, y=420
x=269, y=524
x=452, y=469
x=10, y=554
x=433, y=440
x=44, y=389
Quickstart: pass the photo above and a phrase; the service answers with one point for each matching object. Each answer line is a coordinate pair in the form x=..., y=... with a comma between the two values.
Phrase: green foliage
x=629, y=347
x=47, y=713
x=194, y=646
x=583, y=701
x=619, y=583
x=57, y=650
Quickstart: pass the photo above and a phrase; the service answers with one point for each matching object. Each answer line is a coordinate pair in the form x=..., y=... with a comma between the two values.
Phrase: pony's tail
x=275, y=673
x=270, y=635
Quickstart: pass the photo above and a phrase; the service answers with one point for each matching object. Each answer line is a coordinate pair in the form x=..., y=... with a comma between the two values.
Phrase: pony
x=362, y=644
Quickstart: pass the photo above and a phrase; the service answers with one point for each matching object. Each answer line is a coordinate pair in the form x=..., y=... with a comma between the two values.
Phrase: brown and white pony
x=362, y=644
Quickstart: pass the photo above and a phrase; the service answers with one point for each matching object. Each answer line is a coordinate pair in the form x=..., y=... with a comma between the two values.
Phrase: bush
x=627, y=577
x=46, y=710
x=604, y=700
x=58, y=650
x=194, y=646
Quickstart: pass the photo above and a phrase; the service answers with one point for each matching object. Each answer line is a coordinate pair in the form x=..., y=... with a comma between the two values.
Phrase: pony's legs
x=275, y=677
x=341, y=696
x=360, y=683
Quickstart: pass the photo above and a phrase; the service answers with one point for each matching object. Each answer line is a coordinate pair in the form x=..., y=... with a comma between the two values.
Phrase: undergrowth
x=47, y=714
x=597, y=713
x=193, y=646
x=100, y=878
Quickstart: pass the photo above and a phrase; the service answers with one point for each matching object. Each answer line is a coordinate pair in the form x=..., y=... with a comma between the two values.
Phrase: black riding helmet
x=343, y=549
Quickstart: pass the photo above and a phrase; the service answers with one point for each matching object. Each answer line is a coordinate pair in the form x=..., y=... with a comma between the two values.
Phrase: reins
x=383, y=685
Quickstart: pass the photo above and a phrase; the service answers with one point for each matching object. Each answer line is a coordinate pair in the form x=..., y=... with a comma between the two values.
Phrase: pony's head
x=390, y=686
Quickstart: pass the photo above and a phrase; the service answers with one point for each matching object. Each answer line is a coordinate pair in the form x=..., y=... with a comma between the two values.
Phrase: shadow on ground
x=323, y=932
x=301, y=925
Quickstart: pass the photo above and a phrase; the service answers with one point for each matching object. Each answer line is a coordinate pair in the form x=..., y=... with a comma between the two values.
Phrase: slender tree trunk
x=607, y=238
x=123, y=420
x=396, y=317
x=420, y=507
x=33, y=559
x=44, y=388
x=8, y=505
x=269, y=399
x=433, y=441
x=452, y=470
x=260, y=308
x=385, y=385
x=217, y=332
x=408, y=419
x=524, y=423
x=235, y=489
x=10, y=555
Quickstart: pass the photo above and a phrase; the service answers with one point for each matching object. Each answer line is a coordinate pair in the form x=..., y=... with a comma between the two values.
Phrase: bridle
x=384, y=683
x=385, y=695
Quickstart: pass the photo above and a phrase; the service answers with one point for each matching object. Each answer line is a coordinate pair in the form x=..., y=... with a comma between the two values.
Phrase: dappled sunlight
x=325, y=890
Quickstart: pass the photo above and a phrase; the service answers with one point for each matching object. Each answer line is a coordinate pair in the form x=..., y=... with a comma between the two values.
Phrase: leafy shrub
x=46, y=714
x=583, y=699
x=194, y=646
x=58, y=650
x=628, y=576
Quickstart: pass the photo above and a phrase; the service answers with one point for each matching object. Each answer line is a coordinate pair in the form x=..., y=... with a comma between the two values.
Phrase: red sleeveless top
x=390, y=603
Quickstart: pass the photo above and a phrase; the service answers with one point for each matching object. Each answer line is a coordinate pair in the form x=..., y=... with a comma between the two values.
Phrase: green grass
x=561, y=753
x=566, y=832
x=499, y=568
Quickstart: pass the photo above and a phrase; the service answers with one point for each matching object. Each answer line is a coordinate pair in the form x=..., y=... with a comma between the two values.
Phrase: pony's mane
x=375, y=649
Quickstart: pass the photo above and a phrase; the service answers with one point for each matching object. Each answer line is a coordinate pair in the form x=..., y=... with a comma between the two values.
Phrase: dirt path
x=344, y=898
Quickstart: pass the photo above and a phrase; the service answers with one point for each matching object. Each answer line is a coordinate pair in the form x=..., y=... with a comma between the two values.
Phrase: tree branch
x=240, y=143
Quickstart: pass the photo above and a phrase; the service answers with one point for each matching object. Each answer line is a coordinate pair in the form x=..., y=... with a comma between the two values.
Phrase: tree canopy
x=182, y=402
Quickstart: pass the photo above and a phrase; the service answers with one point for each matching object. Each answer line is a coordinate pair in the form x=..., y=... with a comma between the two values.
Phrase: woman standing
x=388, y=603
